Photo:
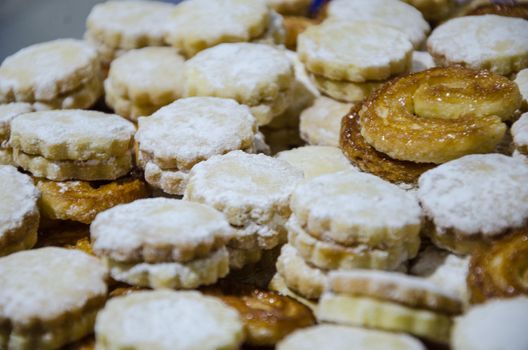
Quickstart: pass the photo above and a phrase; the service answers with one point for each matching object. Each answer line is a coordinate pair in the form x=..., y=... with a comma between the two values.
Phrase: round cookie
x=472, y=200
x=72, y=135
x=389, y=13
x=51, y=72
x=354, y=51
x=168, y=320
x=498, y=324
x=491, y=42
x=257, y=75
x=129, y=24
x=519, y=132
x=19, y=215
x=252, y=190
x=235, y=21
x=316, y=160
x=321, y=123
x=344, y=338
x=351, y=208
x=71, y=288
x=148, y=77
x=189, y=131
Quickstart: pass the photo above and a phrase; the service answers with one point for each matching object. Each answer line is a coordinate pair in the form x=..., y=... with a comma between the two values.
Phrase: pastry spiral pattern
x=439, y=114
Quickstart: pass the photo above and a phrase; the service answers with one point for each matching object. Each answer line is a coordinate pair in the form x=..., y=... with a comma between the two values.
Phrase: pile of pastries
x=225, y=174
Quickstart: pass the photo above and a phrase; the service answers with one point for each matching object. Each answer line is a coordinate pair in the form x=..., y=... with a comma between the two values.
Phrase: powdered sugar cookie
x=385, y=315
x=316, y=160
x=414, y=292
x=190, y=321
x=344, y=338
x=522, y=82
x=491, y=42
x=354, y=51
x=498, y=324
x=19, y=215
x=298, y=275
x=7, y=113
x=389, y=13
x=321, y=123
x=188, y=131
x=471, y=200
x=129, y=24
x=72, y=135
x=256, y=75
x=519, y=132
x=251, y=190
x=235, y=21
x=351, y=208
x=71, y=287
x=85, y=170
x=152, y=76
x=152, y=230
x=47, y=71
x=329, y=255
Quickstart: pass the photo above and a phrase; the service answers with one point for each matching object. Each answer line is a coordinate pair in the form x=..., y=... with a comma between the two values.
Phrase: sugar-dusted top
x=7, y=113
x=476, y=194
x=519, y=131
x=498, y=324
x=316, y=160
x=72, y=134
x=254, y=183
x=196, y=128
x=45, y=283
x=337, y=337
x=496, y=43
x=18, y=198
x=249, y=73
x=43, y=71
x=352, y=206
x=129, y=24
x=135, y=231
x=168, y=320
x=355, y=51
x=390, y=13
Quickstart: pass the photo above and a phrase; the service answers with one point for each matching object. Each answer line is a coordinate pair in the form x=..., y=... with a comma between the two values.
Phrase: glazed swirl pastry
x=439, y=114
x=502, y=270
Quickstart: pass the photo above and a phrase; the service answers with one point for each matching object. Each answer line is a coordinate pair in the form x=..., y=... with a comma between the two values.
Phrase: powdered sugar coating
x=321, y=123
x=152, y=75
x=45, y=283
x=198, y=24
x=496, y=43
x=157, y=230
x=476, y=194
x=194, y=129
x=353, y=207
x=519, y=131
x=167, y=320
x=345, y=338
x=246, y=187
x=354, y=51
x=421, y=60
x=389, y=13
x=317, y=160
x=250, y=73
x=129, y=24
x=522, y=82
x=498, y=324
x=18, y=198
x=7, y=113
x=43, y=71
x=72, y=134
